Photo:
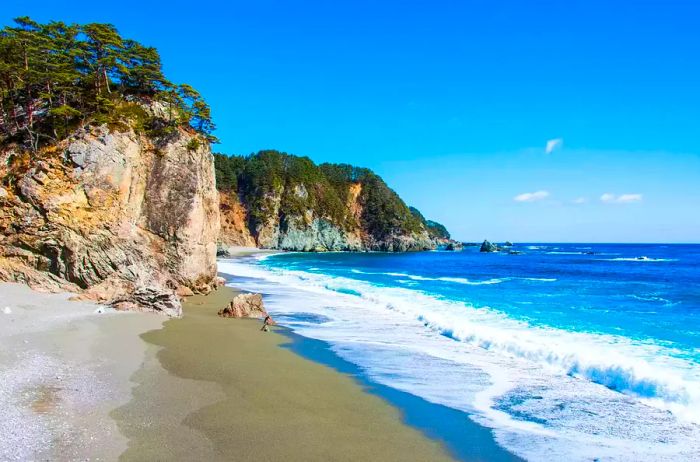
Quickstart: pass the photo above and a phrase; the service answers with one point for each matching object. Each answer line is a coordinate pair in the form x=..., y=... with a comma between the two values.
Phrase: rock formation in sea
x=454, y=246
x=113, y=215
x=274, y=200
x=487, y=246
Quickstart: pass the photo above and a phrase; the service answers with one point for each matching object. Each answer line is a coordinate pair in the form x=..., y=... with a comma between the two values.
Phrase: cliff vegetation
x=56, y=77
x=350, y=205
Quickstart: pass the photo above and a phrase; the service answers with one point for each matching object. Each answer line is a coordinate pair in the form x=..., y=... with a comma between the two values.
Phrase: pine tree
x=56, y=75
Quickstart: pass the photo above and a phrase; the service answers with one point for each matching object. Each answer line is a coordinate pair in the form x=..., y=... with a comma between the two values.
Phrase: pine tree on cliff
x=55, y=77
x=103, y=49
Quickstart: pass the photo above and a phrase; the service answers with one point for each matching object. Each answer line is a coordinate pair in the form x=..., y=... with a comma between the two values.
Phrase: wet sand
x=219, y=389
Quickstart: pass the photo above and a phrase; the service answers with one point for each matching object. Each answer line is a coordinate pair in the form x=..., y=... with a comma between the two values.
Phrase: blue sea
x=565, y=351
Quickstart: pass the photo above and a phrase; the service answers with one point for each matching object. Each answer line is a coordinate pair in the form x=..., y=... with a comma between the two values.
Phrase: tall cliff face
x=113, y=216
x=279, y=201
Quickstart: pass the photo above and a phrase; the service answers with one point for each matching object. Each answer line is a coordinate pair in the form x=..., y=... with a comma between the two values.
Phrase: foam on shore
x=545, y=391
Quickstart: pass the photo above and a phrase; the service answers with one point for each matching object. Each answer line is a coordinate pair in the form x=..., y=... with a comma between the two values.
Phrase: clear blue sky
x=453, y=102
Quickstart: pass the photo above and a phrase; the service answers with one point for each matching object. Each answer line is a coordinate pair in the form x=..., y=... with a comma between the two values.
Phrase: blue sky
x=453, y=103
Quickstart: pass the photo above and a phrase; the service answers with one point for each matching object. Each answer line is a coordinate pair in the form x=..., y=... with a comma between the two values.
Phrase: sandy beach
x=84, y=382
x=65, y=365
x=230, y=392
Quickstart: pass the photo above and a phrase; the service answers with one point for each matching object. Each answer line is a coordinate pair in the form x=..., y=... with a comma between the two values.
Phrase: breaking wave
x=624, y=367
x=456, y=280
x=533, y=371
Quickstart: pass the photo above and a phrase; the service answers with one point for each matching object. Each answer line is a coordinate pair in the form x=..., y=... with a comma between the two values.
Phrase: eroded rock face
x=234, y=223
x=318, y=236
x=307, y=232
x=112, y=216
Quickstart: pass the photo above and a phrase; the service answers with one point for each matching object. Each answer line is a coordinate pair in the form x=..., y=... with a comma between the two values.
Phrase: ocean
x=565, y=351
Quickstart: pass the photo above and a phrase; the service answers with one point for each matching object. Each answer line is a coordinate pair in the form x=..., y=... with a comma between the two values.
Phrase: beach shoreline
x=249, y=398
x=86, y=382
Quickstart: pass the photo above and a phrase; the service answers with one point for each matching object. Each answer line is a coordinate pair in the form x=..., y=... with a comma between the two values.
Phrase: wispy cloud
x=580, y=200
x=629, y=198
x=531, y=196
x=553, y=145
x=621, y=199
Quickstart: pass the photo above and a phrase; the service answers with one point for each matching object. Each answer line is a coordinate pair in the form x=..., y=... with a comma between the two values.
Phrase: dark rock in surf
x=488, y=247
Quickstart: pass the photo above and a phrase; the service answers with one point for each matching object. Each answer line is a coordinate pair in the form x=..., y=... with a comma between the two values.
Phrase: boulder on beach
x=244, y=306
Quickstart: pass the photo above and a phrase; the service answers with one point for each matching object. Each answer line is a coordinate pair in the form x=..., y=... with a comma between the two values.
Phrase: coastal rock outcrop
x=487, y=246
x=244, y=306
x=454, y=246
x=113, y=215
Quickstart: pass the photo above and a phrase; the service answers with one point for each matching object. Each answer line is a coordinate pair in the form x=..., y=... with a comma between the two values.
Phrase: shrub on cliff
x=56, y=76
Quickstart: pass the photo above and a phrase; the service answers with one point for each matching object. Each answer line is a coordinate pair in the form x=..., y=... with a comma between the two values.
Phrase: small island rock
x=488, y=247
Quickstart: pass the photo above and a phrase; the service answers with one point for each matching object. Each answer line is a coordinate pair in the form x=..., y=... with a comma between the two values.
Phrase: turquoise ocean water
x=565, y=351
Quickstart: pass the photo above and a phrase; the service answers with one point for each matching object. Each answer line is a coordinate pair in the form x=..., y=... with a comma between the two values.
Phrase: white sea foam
x=456, y=280
x=538, y=387
x=641, y=259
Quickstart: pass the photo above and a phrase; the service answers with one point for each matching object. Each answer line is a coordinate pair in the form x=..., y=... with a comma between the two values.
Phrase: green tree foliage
x=56, y=76
x=435, y=229
x=300, y=185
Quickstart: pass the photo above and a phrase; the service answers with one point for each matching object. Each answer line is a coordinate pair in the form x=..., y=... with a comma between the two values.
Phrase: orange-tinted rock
x=116, y=216
x=245, y=306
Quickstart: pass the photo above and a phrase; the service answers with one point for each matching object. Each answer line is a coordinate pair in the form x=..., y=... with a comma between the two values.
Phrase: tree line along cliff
x=281, y=201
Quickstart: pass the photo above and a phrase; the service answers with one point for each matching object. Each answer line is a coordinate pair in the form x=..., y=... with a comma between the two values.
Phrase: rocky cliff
x=112, y=215
x=275, y=200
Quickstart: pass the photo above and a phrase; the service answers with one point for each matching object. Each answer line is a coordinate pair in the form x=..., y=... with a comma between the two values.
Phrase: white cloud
x=629, y=198
x=531, y=197
x=553, y=145
x=621, y=199
x=580, y=200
